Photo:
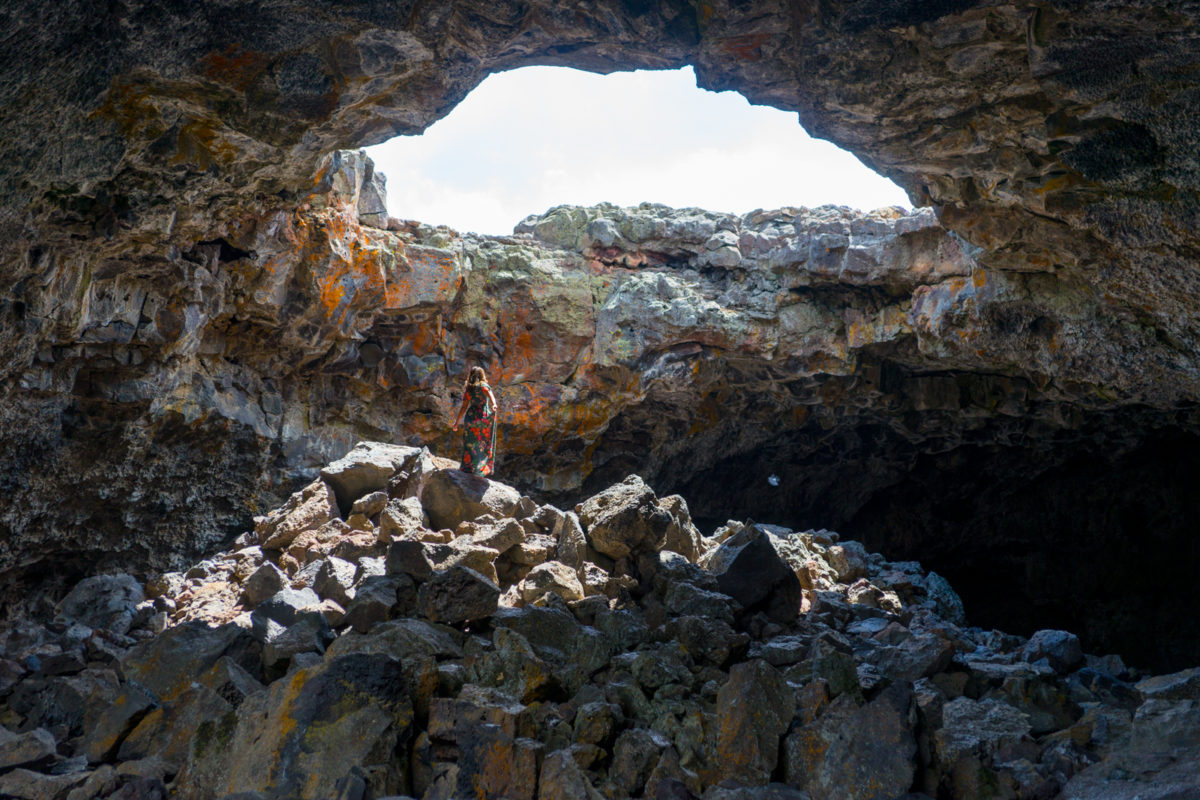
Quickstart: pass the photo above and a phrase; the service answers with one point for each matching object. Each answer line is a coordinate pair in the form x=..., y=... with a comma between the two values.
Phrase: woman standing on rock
x=479, y=438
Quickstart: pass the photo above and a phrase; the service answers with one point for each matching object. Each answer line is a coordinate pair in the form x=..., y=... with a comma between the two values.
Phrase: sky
x=533, y=138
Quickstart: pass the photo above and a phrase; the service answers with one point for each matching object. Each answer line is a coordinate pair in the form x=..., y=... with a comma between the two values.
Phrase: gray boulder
x=32, y=747
x=1061, y=648
x=264, y=582
x=625, y=519
x=749, y=569
x=457, y=595
x=451, y=496
x=366, y=468
x=855, y=752
x=108, y=602
x=306, y=510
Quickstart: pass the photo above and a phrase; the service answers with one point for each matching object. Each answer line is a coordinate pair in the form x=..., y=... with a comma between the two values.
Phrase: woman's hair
x=476, y=377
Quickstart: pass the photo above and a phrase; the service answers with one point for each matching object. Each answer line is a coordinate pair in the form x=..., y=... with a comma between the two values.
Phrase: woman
x=479, y=438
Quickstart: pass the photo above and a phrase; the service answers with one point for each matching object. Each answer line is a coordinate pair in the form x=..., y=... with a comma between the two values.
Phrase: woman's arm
x=492, y=397
x=462, y=410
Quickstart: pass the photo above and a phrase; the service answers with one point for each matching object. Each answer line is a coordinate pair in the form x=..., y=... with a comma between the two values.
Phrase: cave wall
x=194, y=313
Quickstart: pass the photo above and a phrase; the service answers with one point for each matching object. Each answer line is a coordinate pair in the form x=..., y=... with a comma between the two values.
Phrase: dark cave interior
x=1095, y=531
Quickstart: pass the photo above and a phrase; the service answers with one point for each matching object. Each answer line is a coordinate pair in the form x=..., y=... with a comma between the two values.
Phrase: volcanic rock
x=452, y=496
x=458, y=594
x=103, y=601
x=625, y=519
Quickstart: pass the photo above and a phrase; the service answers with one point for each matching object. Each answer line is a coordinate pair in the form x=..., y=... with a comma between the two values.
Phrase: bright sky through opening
x=538, y=137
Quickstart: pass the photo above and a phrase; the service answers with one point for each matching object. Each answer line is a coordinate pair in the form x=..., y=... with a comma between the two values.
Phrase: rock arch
x=148, y=150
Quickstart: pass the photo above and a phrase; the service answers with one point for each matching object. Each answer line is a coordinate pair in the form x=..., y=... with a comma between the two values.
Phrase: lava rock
x=451, y=496
x=1060, y=648
x=30, y=748
x=754, y=709
x=264, y=582
x=457, y=595
x=750, y=570
x=108, y=602
x=169, y=663
x=306, y=510
x=855, y=752
x=303, y=734
x=365, y=469
x=552, y=576
x=625, y=519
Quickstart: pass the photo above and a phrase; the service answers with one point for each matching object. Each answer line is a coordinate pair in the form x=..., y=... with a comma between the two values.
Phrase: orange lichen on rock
x=234, y=66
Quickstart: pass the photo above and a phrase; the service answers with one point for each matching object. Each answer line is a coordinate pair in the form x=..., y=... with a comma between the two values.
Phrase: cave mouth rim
x=866, y=190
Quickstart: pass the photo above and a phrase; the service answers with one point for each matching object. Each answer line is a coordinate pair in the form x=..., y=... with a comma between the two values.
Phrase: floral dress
x=479, y=433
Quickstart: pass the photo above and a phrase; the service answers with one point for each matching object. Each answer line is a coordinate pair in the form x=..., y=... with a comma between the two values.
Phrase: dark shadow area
x=1094, y=530
x=1102, y=543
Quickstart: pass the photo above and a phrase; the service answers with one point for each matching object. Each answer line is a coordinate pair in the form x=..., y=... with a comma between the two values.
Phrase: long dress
x=479, y=433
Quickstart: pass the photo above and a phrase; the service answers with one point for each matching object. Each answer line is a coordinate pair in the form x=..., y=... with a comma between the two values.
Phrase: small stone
x=402, y=517
x=335, y=580
x=552, y=576
x=1061, y=648
x=377, y=598
x=369, y=505
x=264, y=582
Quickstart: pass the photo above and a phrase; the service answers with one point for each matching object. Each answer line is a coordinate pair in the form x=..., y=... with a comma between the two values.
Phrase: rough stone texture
x=365, y=469
x=855, y=752
x=551, y=576
x=458, y=594
x=451, y=497
x=749, y=569
x=103, y=601
x=753, y=711
x=667, y=688
x=625, y=519
x=199, y=307
x=305, y=733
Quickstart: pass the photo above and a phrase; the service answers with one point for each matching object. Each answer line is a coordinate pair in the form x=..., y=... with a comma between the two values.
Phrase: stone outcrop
x=201, y=301
x=464, y=687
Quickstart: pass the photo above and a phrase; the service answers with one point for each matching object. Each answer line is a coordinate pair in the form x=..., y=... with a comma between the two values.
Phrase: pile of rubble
x=400, y=628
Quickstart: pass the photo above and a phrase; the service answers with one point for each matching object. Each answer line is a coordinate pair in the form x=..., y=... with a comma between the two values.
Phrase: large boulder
x=304, y=734
x=306, y=510
x=108, y=602
x=451, y=496
x=1061, y=648
x=683, y=536
x=754, y=709
x=856, y=752
x=551, y=576
x=749, y=569
x=29, y=748
x=168, y=664
x=366, y=468
x=625, y=519
x=457, y=595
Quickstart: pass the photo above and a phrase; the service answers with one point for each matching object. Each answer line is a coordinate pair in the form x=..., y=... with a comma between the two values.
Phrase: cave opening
x=535, y=137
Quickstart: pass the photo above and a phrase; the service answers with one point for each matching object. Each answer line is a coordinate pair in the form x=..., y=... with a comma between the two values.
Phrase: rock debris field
x=399, y=628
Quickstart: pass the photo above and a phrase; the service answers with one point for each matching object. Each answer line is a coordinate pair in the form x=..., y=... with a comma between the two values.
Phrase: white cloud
x=537, y=137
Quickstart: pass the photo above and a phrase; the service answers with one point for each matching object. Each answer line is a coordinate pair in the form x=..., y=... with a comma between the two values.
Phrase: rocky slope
x=399, y=628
